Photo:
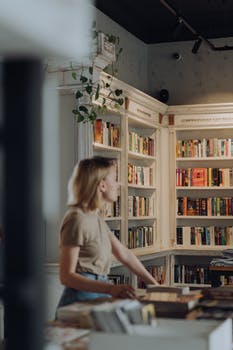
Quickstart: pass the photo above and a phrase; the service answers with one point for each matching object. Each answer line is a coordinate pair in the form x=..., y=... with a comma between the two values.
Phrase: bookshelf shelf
x=100, y=146
x=133, y=120
x=140, y=156
x=142, y=218
x=191, y=188
x=206, y=159
x=205, y=217
x=149, y=188
x=114, y=218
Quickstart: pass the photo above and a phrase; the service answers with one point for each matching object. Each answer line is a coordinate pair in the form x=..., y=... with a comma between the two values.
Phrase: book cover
x=198, y=177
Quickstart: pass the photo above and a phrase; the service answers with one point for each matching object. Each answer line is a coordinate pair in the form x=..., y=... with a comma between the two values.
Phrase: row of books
x=111, y=209
x=140, y=175
x=140, y=236
x=222, y=177
x=204, y=235
x=214, y=206
x=226, y=280
x=191, y=274
x=212, y=147
x=141, y=144
x=106, y=133
x=118, y=279
x=157, y=271
x=140, y=206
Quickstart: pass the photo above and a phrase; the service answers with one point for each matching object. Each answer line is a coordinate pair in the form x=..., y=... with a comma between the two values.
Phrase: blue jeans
x=71, y=295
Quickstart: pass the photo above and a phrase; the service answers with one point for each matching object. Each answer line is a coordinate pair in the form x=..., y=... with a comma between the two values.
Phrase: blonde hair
x=83, y=184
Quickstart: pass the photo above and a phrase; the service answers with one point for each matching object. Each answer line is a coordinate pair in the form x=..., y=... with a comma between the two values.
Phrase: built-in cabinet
x=201, y=180
x=175, y=170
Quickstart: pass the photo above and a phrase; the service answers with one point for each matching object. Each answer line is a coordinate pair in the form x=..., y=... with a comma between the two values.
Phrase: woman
x=87, y=244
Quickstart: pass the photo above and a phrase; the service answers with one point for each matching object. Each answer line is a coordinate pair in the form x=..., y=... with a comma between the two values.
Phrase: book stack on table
x=115, y=316
x=217, y=304
x=172, y=301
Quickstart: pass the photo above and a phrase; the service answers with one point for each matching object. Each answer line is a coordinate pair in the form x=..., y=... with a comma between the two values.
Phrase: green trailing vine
x=88, y=91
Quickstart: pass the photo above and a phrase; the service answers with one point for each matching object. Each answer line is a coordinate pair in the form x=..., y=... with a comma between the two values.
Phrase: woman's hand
x=122, y=291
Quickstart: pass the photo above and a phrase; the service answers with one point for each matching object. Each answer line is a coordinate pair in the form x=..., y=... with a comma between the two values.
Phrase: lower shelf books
x=191, y=274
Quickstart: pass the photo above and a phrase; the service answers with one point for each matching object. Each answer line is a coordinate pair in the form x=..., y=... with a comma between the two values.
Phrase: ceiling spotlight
x=196, y=45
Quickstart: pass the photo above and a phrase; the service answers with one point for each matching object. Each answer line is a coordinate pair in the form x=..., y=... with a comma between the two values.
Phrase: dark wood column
x=22, y=219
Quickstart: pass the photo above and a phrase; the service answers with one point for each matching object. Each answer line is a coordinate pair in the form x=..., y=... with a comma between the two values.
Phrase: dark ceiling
x=156, y=21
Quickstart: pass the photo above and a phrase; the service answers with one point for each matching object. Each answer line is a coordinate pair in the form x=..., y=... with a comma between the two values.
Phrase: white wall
x=133, y=60
x=202, y=78
x=205, y=77
x=59, y=157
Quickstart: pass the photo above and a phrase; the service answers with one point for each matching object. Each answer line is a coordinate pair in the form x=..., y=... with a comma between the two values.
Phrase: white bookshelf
x=199, y=222
x=147, y=117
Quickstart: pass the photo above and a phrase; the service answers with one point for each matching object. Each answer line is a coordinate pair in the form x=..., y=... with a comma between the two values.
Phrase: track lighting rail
x=198, y=37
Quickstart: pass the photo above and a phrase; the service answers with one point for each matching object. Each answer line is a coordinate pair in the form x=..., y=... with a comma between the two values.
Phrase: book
x=171, y=308
x=98, y=133
x=219, y=293
x=111, y=317
x=168, y=289
x=78, y=313
x=198, y=177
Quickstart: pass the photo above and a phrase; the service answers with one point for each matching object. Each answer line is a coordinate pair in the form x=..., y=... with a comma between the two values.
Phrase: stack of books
x=172, y=301
x=114, y=316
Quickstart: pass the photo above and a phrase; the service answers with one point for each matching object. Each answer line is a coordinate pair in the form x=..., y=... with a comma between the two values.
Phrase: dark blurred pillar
x=23, y=290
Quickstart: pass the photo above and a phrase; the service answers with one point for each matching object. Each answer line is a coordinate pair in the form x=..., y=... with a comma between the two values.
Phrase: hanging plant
x=90, y=104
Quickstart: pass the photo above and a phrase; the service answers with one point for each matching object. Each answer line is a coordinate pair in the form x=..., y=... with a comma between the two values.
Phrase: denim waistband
x=94, y=276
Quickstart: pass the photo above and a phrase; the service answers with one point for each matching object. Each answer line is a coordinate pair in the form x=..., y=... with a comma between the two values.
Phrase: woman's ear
x=102, y=186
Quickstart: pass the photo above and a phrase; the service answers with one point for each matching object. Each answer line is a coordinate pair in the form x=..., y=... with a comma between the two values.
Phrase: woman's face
x=110, y=186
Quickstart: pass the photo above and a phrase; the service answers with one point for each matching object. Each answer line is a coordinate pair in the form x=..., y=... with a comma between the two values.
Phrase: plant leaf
x=78, y=94
x=104, y=109
x=120, y=101
x=91, y=70
x=97, y=93
x=74, y=75
x=83, y=109
x=83, y=79
x=74, y=111
x=118, y=92
x=80, y=118
x=89, y=89
x=93, y=116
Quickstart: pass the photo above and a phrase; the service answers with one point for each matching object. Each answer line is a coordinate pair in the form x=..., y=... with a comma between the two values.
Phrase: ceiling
x=156, y=21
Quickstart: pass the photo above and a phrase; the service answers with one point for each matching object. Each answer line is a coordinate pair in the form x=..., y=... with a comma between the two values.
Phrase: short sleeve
x=72, y=233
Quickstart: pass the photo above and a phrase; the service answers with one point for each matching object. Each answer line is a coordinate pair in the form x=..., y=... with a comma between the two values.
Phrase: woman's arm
x=127, y=258
x=70, y=278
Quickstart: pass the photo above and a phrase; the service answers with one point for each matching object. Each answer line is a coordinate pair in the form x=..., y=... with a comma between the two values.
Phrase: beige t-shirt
x=90, y=232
